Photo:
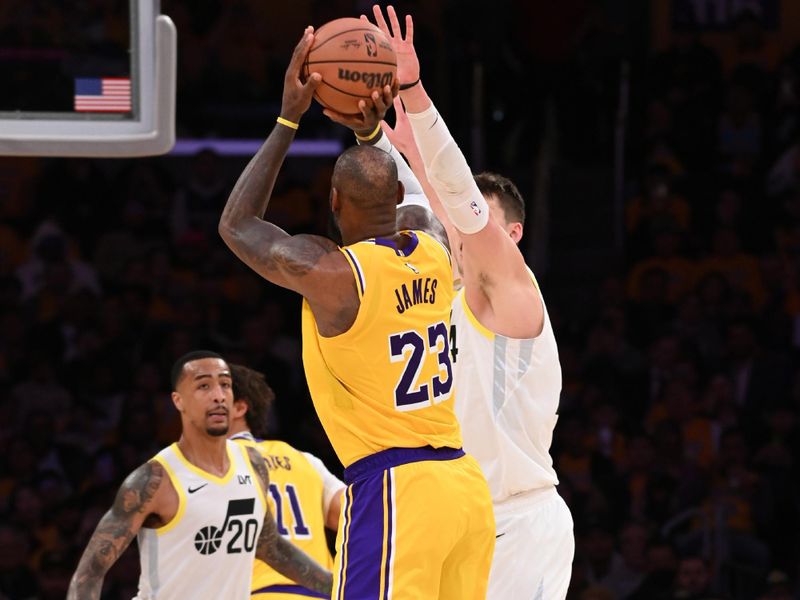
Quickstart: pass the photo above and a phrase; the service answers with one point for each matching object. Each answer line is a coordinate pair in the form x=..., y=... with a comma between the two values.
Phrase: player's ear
x=239, y=409
x=177, y=400
x=335, y=202
x=515, y=231
x=401, y=192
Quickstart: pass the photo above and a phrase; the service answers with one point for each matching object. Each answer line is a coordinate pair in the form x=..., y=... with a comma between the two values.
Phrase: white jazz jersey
x=207, y=550
x=515, y=385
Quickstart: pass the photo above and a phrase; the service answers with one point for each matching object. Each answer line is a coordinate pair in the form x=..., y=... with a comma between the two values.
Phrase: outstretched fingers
x=409, y=29
x=396, y=32
x=392, y=29
x=379, y=20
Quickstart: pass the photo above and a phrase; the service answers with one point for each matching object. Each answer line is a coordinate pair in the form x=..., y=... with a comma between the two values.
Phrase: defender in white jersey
x=198, y=507
x=505, y=358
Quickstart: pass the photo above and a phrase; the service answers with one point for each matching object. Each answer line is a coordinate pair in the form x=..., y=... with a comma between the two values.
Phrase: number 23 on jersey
x=414, y=348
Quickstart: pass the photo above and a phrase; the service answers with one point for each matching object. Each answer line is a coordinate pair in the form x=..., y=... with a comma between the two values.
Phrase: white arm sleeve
x=414, y=194
x=331, y=485
x=448, y=172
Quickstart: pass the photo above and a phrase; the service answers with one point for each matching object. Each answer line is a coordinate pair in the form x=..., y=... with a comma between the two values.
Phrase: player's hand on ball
x=297, y=94
x=372, y=111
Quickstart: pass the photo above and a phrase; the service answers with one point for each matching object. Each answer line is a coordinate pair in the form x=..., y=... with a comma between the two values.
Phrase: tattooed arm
x=281, y=555
x=114, y=532
x=275, y=255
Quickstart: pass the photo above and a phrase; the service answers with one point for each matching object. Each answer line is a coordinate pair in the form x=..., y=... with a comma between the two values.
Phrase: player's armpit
x=116, y=529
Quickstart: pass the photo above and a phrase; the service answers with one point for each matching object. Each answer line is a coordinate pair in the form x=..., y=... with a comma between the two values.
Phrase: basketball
x=354, y=58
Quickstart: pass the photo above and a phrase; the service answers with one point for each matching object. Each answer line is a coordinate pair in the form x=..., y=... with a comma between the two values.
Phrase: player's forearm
x=445, y=164
x=404, y=172
x=101, y=553
x=290, y=561
x=448, y=172
x=250, y=196
x=84, y=588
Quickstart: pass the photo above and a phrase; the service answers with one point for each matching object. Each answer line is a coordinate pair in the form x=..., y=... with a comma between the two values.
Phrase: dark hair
x=251, y=387
x=367, y=176
x=507, y=194
x=177, y=367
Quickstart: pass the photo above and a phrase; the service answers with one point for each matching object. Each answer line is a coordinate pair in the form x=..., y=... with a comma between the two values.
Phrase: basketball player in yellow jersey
x=304, y=496
x=198, y=507
x=417, y=520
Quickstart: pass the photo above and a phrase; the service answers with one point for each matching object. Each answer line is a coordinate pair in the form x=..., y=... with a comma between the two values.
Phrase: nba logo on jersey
x=475, y=208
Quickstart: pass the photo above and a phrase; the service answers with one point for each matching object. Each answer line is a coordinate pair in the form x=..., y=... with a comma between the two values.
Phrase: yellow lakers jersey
x=387, y=382
x=296, y=501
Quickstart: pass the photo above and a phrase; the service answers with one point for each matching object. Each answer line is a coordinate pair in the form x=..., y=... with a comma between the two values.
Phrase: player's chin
x=217, y=430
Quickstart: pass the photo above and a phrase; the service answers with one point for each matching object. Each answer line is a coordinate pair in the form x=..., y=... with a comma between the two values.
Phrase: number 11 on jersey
x=413, y=348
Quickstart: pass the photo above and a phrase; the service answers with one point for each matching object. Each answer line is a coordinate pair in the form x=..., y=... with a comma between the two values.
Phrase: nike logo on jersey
x=499, y=535
x=199, y=487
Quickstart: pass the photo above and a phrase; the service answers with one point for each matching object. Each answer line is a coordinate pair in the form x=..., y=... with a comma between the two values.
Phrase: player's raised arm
x=278, y=257
x=136, y=499
x=280, y=554
x=401, y=138
x=495, y=276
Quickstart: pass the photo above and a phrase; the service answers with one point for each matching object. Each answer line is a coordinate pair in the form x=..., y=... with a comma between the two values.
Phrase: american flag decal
x=106, y=94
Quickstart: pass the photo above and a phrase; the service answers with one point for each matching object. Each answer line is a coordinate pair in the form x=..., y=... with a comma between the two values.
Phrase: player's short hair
x=507, y=194
x=251, y=387
x=368, y=176
x=177, y=367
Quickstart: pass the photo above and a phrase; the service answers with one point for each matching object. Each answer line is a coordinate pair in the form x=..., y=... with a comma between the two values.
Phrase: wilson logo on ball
x=371, y=80
x=354, y=59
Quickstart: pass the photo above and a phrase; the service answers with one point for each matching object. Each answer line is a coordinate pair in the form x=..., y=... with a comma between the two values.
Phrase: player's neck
x=237, y=426
x=206, y=452
x=386, y=228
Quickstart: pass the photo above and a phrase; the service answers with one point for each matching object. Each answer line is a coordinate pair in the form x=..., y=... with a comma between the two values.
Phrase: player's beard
x=219, y=430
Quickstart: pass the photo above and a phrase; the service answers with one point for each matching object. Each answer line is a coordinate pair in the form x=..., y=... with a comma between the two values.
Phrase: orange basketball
x=354, y=58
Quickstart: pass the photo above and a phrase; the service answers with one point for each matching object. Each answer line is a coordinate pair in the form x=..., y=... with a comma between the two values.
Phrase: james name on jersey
x=422, y=291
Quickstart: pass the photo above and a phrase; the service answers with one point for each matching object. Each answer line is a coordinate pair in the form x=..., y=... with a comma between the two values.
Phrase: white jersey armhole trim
x=173, y=478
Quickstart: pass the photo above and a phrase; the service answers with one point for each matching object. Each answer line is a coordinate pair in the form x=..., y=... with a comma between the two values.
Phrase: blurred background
x=657, y=143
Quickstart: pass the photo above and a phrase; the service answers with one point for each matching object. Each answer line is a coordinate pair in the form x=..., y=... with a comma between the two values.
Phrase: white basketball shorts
x=534, y=548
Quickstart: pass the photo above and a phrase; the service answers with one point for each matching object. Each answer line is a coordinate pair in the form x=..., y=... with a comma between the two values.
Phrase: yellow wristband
x=370, y=136
x=288, y=123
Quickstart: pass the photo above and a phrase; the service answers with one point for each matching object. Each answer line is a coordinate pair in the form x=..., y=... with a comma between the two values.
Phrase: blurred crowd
x=678, y=442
